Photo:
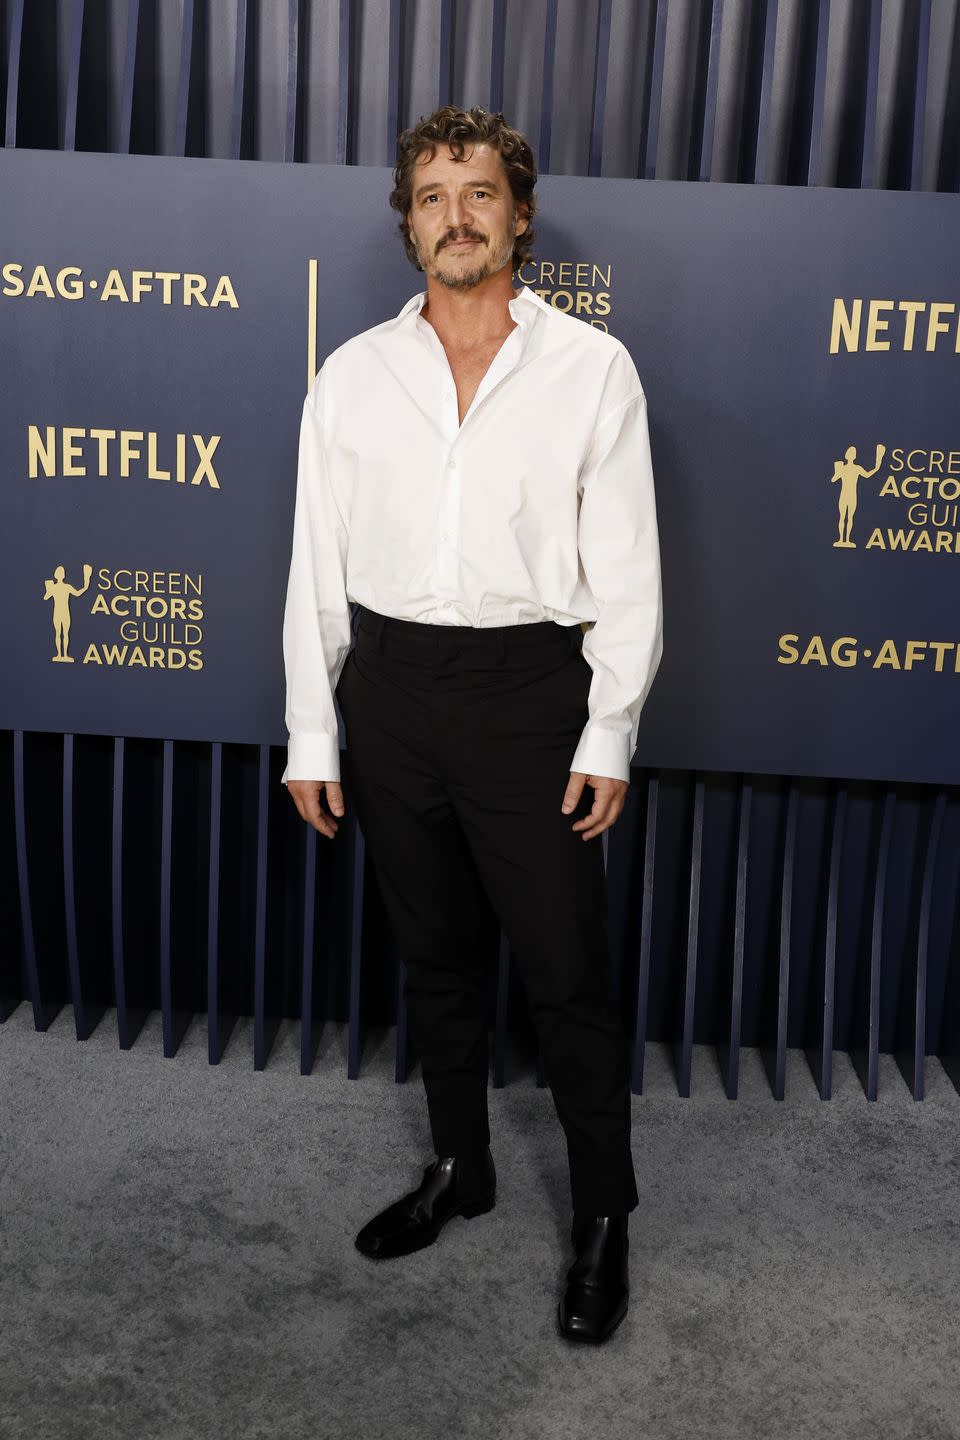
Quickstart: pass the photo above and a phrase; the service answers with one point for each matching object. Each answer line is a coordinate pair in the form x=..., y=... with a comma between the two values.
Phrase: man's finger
x=598, y=811
x=608, y=802
x=574, y=790
x=317, y=816
x=306, y=796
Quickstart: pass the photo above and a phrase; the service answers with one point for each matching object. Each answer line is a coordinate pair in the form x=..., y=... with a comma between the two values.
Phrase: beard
x=499, y=254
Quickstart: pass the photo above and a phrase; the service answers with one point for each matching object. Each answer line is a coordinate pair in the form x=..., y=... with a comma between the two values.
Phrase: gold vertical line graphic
x=311, y=322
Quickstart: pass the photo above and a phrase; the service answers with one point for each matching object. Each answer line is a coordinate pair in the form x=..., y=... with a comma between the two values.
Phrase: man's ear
x=523, y=216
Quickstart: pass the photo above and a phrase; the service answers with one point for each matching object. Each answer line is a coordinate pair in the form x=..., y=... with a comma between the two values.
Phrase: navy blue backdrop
x=162, y=318
x=746, y=909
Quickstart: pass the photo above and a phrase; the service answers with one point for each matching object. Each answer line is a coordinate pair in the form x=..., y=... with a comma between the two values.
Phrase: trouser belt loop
x=501, y=647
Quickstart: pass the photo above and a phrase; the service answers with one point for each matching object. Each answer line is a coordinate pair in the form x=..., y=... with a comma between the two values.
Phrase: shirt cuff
x=602, y=752
x=312, y=757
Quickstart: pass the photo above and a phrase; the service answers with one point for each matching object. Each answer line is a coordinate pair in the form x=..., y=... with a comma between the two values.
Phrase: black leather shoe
x=598, y=1285
x=416, y=1219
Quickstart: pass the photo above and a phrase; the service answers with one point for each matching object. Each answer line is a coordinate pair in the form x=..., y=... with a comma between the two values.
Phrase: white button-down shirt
x=539, y=506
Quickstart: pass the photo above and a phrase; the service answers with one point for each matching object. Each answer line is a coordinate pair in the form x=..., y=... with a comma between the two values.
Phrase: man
x=474, y=476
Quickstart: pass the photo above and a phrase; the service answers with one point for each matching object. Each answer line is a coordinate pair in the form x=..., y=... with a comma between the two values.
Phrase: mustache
x=467, y=235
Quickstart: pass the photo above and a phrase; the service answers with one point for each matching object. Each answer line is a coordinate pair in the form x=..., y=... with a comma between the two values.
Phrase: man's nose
x=458, y=213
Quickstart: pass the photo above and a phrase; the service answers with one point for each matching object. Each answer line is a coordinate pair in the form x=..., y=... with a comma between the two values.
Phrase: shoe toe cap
x=369, y=1241
x=588, y=1314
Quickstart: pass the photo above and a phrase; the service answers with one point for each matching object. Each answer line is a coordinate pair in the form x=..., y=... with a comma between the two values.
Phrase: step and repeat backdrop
x=800, y=350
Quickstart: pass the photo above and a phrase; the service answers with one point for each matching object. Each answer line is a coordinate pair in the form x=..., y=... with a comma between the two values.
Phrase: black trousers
x=459, y=742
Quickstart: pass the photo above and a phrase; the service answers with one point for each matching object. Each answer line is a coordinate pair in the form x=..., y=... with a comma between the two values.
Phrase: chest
x=468, y=369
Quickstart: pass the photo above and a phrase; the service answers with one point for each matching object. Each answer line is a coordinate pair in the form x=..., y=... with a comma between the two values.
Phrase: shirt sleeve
x=316, y=620
x=619, y=550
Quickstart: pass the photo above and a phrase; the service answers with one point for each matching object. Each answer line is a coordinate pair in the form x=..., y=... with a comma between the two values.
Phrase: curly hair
x=461, y=128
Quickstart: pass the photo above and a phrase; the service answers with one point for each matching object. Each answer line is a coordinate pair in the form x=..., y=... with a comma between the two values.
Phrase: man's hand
x=607, y=802
x=306, y=796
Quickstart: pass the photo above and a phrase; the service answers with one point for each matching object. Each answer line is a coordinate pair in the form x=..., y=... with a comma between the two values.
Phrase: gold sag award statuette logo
x=153, y=618
x=60, y=591
x=919, y=494
x=848, y=472
x=913, y=508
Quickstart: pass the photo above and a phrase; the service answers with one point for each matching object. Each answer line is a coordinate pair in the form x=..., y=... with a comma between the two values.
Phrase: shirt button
x=451, y=464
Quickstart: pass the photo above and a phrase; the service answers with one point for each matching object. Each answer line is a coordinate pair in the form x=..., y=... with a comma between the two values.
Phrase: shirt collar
x=522, y=307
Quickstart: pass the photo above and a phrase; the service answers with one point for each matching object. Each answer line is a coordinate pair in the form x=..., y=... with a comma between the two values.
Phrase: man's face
x=463, y=219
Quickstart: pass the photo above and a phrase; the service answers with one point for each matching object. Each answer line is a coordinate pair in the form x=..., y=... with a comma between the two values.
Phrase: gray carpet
x=177, y=1259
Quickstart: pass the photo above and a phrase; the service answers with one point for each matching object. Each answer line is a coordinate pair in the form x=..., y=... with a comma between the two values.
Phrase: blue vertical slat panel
x=356, y=952
x=241, y=127
x=777, y=1062
x=445, y=77
x=13, y=72
x=308, y=1047
x=942, y=1029
x=601, y=64
x=11, y=953
x=264, y=1027
x=871, y=90
x=546, y=90
x=166, y=846
x=913, y=1063
x=497, y=48
x=501, y=1013
x=821, y=1054
x=129, y=76
x=945, y=1029
x=344, y=84
x=920, y=94
x=394, y=79
x=729, y=1053
x=948, y=160
x=116, y=895
x=898, y=996
x=647, y=164
x=220, y=1020
x=296, y=50
x=867, y=1060
x=815, y=158
x=130, y=1017
x=330, y=899
x=185, y=85
x=73, y=76
x=762, y=148
x=166, y=860
x=685, y=1056
x=646, y=933
x=81, y=16
x=81, y=1020
x=707, y=128
x=42, y=1013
